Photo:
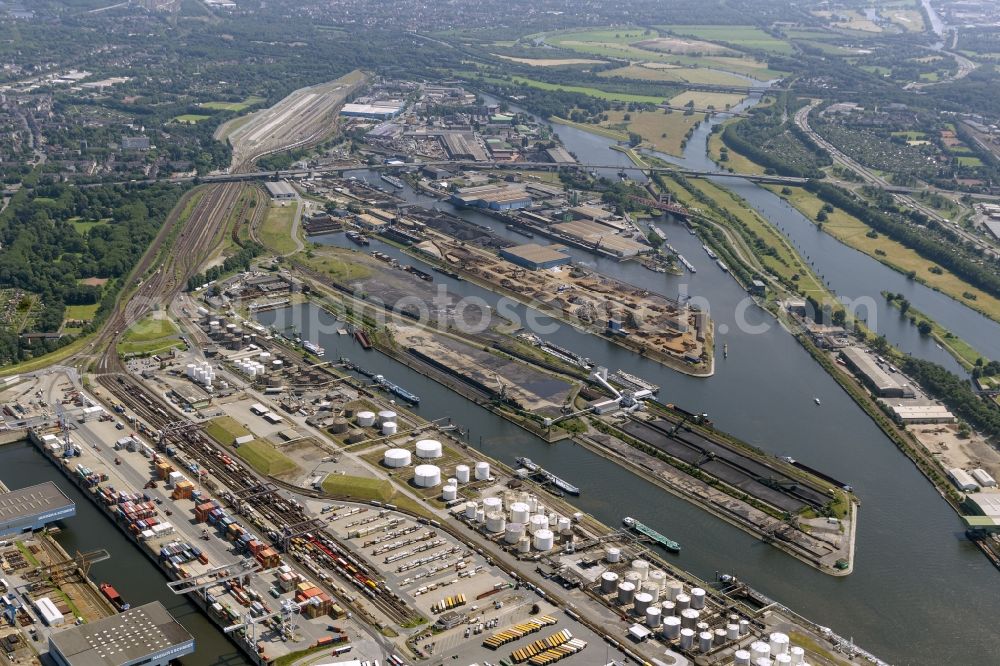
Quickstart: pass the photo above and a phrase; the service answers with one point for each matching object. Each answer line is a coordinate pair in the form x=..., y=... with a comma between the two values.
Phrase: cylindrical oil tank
x=705, y=641
x=701, y=626
x=491, y=504
x=764, y=661
x=741, y=658
x=659, y=577
x=396, y=458
x=797, y=654
x=626, y=591
x=642, y=602
x=470, y=510
x=671, y=628
x=689, y=618
x=687, y=639
x=653, y=617
x=339, y=425
x=524, y=545
x=563, y=524
x=641, y=567
x=482, y=471
x=427, y=476
x=732, y=632
x=496, y=522
x=669, y=608
x=389, y=428
x=428, y=449
x=452, y=481
x=720, y=636
x=356, y=436
x=449, y=493
x=697, y=598
x=634, y=578
x=609, y=582
x=386, y=415
x=613, y=555
x=554, y=519
x=760, y=649
x=652, y=589
x=513, y=532
x=674, y=588
x=744, y=627
x=778, y=643
x=366, y=419
x=519, y=513
x=532, y=503
x=544, y=540
x=462, y=473
x=537, y=522
x=683, y=601
x=480, y=516
x=783, y=659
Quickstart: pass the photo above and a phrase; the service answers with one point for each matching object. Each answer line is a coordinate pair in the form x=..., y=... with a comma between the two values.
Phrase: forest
x=956, y=393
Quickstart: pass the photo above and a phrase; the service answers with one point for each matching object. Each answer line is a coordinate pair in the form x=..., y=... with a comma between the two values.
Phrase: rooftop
x=33, y=500
x=130, y=636
x=280, y=188
x=535, y=253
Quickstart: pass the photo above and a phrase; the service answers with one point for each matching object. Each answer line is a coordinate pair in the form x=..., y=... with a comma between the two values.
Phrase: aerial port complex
x=323, y=508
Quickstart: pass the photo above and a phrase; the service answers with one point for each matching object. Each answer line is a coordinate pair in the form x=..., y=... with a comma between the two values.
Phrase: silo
x=386, y=415
x=687, y=639
x=496, y=522
x=491, y=504
x=462, y=473
x=689, y=618
x=613, y=555
x=396, y=458
x=524, y=545
x=653, y=617
x=537, y=522
x=544, y=540
x=652, y=589
x=427, y=476
x=742, y=658
x=389, y=428
x=697, y=598
x=513, y=532
x=449, y=493
x=642, y=602
x=797, y=654
x=671, y=628
x=778, y=643
x=428, y=449
x=674, y=588
x=470, y=510
x=641, y=567
x=759, y=649
x=625, y=593
x=366, y=419
x=609, y=582
x=705, y=641
x=482, y=471
x=683, y=601
x=519, y=513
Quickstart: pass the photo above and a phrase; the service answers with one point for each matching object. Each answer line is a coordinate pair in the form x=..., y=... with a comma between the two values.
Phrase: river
x=134, y=576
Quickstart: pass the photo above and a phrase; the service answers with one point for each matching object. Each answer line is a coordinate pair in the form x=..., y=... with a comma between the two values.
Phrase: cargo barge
x=652, y=534
x=547, y=477
x=111, y=594
x=396, y=390
x=392, y=180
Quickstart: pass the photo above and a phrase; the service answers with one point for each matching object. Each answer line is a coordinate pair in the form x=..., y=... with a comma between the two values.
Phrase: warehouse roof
x=33, y=500
x=537, y=254
x=868, y=366
x=130, y=636
x=279, y=188
x=987, y=502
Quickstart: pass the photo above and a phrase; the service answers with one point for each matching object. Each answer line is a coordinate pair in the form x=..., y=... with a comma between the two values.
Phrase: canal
x=134, y=576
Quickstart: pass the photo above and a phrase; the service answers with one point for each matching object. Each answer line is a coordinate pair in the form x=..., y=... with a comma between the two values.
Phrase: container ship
x=111, y=594
x=392, y=180
x=313, y=348
x=397, y=390
x=647, y=531
x=547, y=477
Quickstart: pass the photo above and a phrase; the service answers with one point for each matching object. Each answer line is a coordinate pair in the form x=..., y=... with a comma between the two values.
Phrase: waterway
x=134, y=576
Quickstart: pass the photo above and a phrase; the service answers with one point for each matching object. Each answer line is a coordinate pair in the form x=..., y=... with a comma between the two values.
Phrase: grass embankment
x=853, y=232
x=232, y=106
x=668, y=73
x=150, y=335
x=735, y=161
x=334, y=262
x=275, y=231
x=259, y=454
x=369, y=489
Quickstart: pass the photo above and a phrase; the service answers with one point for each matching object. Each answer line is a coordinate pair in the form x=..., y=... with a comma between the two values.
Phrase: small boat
x=816, y=400
x=112, y=595
x=313, y=348
x=392, y=180
x=725, y=350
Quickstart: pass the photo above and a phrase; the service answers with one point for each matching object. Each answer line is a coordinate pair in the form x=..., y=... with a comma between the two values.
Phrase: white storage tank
x=491, y=504
x=385, y=416
x=659, y=577
x=705, y=641
x=462, y=473
x=524, y=545
x=496, y=522
x=633, y=578
x=366, y=419
x=689, y=618
x=783, y=660
x=609, y=582
x=449, y=493
x=732, y=632
x=626, y=591
x=683, y=601
x=396, y=458
x=741, y=658
x=564, y=525
x=544, y=540
x=470, y=510
x=671, y=628
x=642, y=602
x=653, y=617
x=763, y=661
x=482, y=471
x=687, y=639
x=697, y=598
x=778, y=643
x=674, y=588
x=519, y=512
x=669, y=608
x=389, y=428
x=760, y=649
x=744, y=627
x=537, y=522
x=720, y=636
x=641, y=567
x=797, y=654
x=427, y=476
x=613, y=555
x=652, y=589
x=532, y=503
x=513, y=532
x=428, y=449
x=480, y=516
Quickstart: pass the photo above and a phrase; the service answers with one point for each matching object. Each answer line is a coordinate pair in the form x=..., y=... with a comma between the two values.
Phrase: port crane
x=697, y=418
x=289, y=609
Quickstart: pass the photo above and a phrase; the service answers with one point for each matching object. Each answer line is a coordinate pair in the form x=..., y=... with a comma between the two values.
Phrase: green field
x=266, y=459
x=593, y=92
x=970, y=161
x=232, y=106
x=674, y=74
x=742, y=36
x=224, y=429
x=150, y=336
x=276, y=231
x=368, y=489
x=81, y=312
x=83, y=226
x=190, y=118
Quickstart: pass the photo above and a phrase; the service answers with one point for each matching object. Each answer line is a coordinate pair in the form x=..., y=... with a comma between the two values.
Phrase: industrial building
x=871, y=373
x=962, y=480
x=559, y=155
x=535, y=256
x=280, y=190
x=146, y=635
x=985, y=509
x=379, y=110
x=494, y=197
x=34, y=507
x=914, y=414
x=601, y=237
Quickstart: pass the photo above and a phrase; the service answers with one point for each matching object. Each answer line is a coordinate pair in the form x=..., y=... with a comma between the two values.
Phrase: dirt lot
x=943, y=442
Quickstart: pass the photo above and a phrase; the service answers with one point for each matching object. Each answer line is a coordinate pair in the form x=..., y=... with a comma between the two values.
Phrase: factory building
x=962, y=480
x=559, y=155
x=915, y=414
x=535, y=256
x=32, y=508
x=280, y=190
x=984, y=508
x=494, y=197
x=871, y=373
x=378, y=110
x=146, y=635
